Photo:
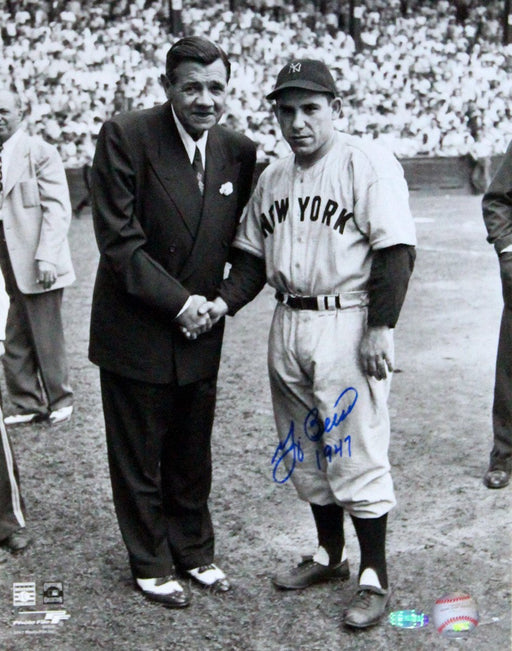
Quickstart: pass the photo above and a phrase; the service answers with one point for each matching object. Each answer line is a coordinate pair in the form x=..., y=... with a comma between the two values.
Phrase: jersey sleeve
x=381, y=209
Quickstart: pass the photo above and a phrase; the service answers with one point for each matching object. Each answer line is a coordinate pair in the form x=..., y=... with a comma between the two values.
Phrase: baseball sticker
x=455, y=614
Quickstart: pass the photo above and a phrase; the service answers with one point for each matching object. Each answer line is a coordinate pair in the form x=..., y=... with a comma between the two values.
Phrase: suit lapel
x=18, y=163
x=172, y=166
x=217, y=207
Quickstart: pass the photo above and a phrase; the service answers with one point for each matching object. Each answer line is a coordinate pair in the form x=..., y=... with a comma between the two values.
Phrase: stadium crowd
x=420, y=81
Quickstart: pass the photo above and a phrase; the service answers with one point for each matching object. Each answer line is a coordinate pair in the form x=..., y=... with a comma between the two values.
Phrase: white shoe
x=20, y=419
x=62, y=414
x=210, y=576
x=167, y=590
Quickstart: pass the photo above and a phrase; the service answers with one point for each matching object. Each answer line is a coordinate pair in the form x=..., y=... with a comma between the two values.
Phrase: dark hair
x=194, y=48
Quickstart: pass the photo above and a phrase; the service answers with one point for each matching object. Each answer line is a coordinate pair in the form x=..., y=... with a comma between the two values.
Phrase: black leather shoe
x=210, y=577
x=18, y=541
x=166, y=590
x=367, y=607
x=496, y=478
x=308, y=572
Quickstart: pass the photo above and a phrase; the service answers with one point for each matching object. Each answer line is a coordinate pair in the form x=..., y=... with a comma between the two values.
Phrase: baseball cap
x=308, y=74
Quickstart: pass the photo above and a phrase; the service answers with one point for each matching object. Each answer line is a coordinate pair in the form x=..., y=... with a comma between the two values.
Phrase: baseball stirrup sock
x=329, y=526
x=371, y=534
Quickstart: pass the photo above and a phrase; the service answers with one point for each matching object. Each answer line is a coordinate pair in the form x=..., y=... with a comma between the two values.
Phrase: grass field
x=447, y=533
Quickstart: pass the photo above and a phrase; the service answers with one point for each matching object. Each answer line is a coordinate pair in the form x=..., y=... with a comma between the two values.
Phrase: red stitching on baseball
x=460, y=618
x=450, y=601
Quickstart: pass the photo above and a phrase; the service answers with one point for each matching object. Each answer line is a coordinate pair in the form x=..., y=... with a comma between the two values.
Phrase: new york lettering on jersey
x=311, y=208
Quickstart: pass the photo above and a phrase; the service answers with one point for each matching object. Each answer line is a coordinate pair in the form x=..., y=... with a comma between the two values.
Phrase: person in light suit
x=164, y=223
x=35, y=214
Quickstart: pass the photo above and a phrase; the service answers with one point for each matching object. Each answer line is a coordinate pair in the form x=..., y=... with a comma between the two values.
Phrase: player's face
x=307, y=122
x=10, y=115
x=198, y=94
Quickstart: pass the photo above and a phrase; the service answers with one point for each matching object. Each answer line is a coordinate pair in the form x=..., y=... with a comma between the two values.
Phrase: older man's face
x=10, y=115
x=198, y=94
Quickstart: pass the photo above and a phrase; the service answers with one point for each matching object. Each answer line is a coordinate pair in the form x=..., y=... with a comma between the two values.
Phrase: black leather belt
x=324, y=302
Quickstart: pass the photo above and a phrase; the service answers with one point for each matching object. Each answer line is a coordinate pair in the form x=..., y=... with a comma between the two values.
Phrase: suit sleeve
x=119, y=233
x=55, y=202
x=497, y=205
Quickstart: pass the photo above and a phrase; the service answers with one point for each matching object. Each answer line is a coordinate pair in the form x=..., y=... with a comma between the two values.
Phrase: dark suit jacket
x=160, y=241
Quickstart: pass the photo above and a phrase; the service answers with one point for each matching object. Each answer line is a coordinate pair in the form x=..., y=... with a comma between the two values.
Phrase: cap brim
x=303, y=84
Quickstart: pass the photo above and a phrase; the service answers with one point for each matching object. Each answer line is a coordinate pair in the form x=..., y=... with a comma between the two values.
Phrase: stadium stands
x=423, y=82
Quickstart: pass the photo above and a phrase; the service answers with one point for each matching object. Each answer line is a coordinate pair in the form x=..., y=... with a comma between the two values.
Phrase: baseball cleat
x=367, y=607
x=308, y=572
x=18, y=541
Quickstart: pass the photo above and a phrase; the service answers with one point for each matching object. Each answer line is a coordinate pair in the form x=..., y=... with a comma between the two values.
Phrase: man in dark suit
x=497, y=213
x=168, y=189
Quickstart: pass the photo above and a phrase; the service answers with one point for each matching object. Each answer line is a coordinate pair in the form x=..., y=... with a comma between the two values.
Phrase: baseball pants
x=337, y=414
x=12, y=515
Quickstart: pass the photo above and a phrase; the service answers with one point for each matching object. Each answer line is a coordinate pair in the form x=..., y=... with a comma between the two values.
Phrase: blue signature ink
x=313, y=427
x=294, y=448
x=331, y=451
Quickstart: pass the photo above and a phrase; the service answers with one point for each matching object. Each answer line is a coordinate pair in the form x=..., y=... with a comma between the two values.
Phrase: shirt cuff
x=187, y=303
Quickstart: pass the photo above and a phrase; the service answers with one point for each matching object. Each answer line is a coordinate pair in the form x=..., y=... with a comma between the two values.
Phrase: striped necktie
x=197, y=165
x=1, y=177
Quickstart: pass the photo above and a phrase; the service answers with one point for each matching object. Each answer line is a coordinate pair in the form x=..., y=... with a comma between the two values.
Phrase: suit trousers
x=501, y=454
x=35, y=361
x=12, y=509
x=159, y=451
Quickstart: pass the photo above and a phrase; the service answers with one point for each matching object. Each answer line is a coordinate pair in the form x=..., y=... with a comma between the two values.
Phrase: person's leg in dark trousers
x=186, y=475
x=141, y=420
x=136, y=419
x=501, y=455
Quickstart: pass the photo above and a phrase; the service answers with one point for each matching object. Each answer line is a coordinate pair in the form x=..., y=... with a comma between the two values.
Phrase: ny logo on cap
x=294, y=67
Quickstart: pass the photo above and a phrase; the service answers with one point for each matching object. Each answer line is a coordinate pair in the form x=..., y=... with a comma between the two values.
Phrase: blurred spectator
x=436, y=66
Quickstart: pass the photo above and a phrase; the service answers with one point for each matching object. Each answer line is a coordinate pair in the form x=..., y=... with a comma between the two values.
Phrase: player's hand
x=191, y=322
x=377, y=352
x=214, y=309
x=46, y=273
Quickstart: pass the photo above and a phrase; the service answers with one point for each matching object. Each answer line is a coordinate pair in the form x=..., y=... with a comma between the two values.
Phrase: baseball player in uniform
x=14, y=535
x=330, y=228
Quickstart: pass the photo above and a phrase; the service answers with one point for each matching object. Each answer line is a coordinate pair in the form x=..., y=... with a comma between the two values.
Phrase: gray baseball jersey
x=316, y=229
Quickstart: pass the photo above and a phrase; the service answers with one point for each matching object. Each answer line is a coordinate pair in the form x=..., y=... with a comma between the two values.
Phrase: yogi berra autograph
x=314, y=428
